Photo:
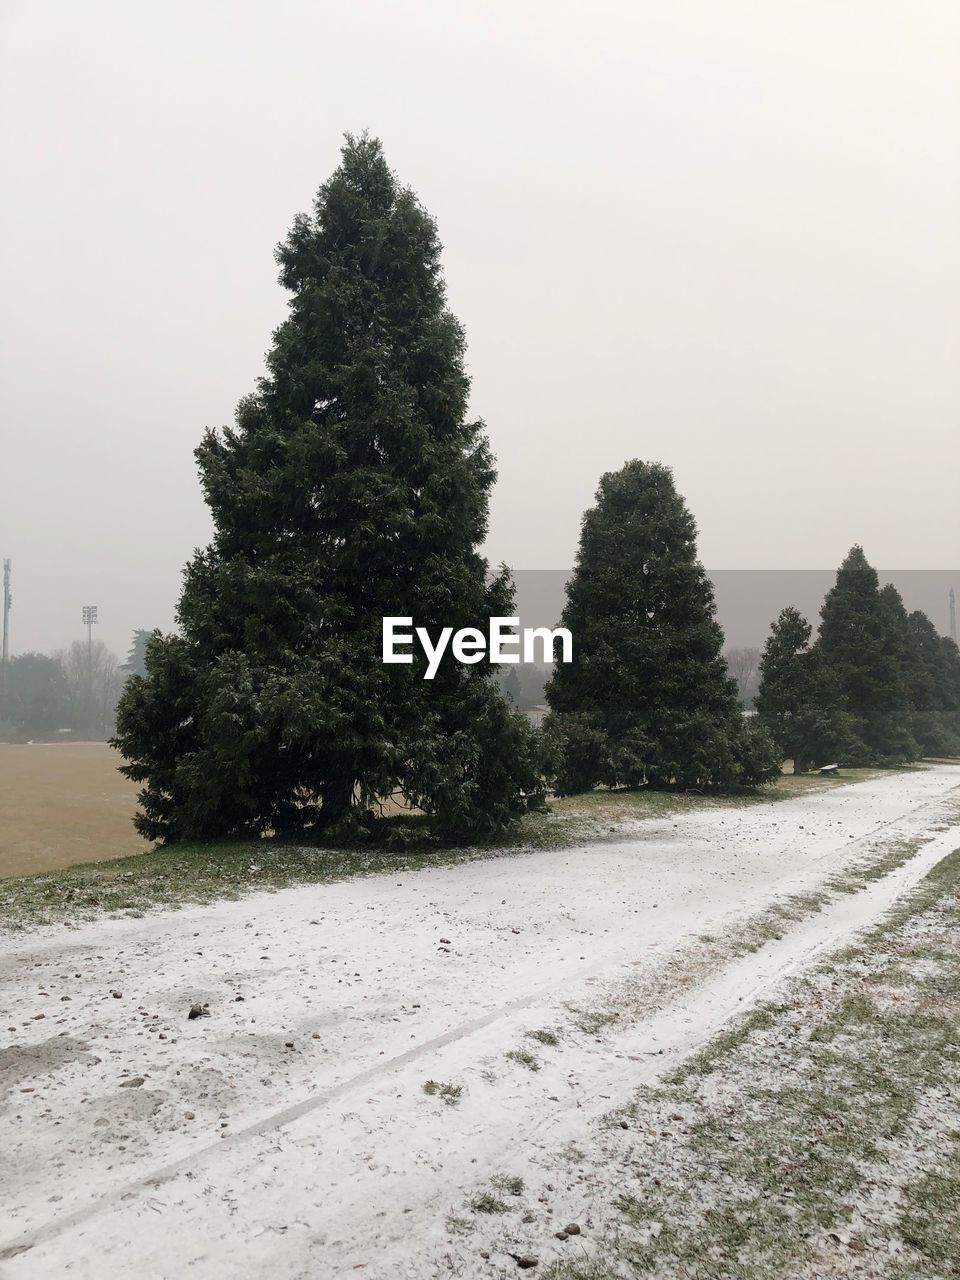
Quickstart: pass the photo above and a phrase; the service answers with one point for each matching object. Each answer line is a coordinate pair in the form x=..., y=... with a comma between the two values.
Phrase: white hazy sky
x=721, y=235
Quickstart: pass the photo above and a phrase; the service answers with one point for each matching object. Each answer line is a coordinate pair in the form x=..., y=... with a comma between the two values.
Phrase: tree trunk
x=337, y=800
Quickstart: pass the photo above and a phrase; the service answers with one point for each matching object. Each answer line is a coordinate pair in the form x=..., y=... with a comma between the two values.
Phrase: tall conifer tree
x=934, y=689
x=647, y=698
x=351, y=487
x=861, y=641
x=799, y=699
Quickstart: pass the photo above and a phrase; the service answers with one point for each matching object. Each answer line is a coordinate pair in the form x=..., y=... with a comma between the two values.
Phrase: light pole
x=7, y=601
x=89, y=621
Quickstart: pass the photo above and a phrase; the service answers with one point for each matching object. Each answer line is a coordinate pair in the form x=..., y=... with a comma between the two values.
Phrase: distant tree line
x=876, y=686
x=523, y=686
x=73, y=692
x=353, y=486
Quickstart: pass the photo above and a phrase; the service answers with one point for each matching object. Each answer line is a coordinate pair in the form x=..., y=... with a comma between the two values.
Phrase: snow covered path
x=288, y=1132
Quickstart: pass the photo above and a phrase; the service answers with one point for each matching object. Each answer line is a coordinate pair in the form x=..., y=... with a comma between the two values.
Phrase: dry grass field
x=63, y=803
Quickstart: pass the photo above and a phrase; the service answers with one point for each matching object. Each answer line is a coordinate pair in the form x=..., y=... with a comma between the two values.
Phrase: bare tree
x=743, y=665
x=95, y=681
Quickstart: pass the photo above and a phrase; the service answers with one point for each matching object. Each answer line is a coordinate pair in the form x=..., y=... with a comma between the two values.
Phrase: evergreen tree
x=799, y=701
x=934, y=689
x=860, y=640
x=948, y=694
x=647, y=698
x=900, y=642
x=352, y=487
x=136, y=662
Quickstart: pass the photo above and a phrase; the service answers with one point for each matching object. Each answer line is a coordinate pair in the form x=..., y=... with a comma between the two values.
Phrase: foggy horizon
x=722, y=240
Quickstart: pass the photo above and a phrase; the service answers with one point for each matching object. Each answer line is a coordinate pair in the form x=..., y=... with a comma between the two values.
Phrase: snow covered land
x=368, y=1060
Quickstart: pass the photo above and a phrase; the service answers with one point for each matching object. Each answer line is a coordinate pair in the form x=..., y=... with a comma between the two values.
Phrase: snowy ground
x=288, y=1131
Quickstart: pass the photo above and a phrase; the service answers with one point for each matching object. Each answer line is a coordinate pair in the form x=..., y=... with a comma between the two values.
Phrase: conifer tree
x=934, y=689
x=799, y=701
x=948, y=694
x=647, y=698
x=136, y=662
x=352, y=487
x=900, y=642
x=861, y=642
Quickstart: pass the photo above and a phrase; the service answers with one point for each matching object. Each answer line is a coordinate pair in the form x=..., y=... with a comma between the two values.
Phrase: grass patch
x=450, y=1093
x=508, y=1184
x=592, y=1021
x=524, y=1058
x=544, y=1037
x=710, y=1058
x=771, y=924
x=193, y=874
x=930, y=1216
x=487, y=1202
x=457, y=1226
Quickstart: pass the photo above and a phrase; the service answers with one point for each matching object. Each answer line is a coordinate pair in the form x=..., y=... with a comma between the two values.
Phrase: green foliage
x=799, y=699
x=351, y=487
x=136, y=662
x=934, y=687
x=578, y=755
x=647, y=698
x=36, y=695
x=878, y=686
x=861, y=641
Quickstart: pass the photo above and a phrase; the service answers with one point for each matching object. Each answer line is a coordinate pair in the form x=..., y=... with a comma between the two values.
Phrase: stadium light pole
x=7, y=602
x=89, y=621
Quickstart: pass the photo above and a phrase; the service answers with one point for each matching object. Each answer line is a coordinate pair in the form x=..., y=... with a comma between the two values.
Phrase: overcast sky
x=721, y=235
